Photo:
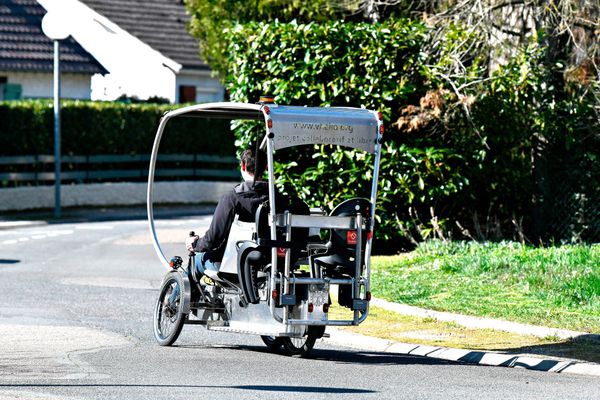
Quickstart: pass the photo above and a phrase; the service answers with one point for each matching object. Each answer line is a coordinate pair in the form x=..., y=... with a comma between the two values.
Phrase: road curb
x=478, y=357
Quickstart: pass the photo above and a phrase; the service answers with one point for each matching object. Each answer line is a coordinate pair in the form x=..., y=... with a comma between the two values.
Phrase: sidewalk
x=481, y=323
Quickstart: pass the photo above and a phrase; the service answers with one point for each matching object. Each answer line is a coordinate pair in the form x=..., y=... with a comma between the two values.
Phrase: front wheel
x=168, y=313
x=301, y=347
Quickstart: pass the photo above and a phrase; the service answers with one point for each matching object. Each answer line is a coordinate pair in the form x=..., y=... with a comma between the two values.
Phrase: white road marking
x=35, y=235
x=107, y=281
x=95, y=227
x=60, y=232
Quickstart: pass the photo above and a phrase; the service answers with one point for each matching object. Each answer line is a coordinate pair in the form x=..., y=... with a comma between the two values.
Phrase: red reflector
x=270, y=124
x=369, y=235
x=311, y=307
x=274, y=294
x=281, y=251
x=351, y=237
x=326, y=308
x=368, y=296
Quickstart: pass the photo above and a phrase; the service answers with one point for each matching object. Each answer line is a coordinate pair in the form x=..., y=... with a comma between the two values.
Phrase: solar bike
x=276, y=274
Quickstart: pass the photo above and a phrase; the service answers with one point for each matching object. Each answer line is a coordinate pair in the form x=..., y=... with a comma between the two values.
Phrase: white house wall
x=40, y=85
x=208, y=89
x=159, y=83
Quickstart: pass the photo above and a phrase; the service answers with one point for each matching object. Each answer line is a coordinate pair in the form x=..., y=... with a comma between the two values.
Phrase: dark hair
x=253, y=162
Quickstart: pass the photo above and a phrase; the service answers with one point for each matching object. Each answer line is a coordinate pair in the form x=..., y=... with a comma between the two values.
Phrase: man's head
x=251, y=164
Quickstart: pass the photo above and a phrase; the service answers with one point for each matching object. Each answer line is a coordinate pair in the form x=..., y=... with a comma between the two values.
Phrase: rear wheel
x=272, y=343
x=168, y=313
x=301, y=347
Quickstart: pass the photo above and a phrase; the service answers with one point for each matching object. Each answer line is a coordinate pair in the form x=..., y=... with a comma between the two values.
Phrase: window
x=187, y=94
x=9, y=91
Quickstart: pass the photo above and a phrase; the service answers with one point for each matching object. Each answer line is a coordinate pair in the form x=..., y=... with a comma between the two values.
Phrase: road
x=75, y=323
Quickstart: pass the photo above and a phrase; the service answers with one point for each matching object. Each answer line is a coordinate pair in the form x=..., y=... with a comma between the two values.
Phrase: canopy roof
x=293, y=126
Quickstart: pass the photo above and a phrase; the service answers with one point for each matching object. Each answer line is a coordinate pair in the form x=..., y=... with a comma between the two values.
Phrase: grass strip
x=555, y=287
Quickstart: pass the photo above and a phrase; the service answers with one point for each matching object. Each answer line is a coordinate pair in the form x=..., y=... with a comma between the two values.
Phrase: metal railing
x=35, y=170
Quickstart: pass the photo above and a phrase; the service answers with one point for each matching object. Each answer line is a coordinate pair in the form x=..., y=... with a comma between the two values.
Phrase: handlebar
x=193, y=253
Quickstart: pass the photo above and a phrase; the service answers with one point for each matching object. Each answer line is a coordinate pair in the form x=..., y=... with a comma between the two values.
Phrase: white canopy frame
x=287, y=126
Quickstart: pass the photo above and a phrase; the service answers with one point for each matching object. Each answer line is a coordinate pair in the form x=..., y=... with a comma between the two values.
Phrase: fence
x=573, y=211
x=39, y=169
x=576, y=216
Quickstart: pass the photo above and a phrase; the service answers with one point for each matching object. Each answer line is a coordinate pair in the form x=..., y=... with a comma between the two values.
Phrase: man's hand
x=190, y=242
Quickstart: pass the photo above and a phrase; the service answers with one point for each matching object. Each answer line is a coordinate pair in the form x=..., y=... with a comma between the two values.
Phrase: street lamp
x=54, y=26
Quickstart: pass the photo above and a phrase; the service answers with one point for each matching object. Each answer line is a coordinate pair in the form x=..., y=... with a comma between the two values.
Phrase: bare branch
x=463, y=104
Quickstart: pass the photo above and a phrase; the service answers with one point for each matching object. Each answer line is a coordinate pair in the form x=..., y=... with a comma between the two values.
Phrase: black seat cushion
x=294, y=205
x=340, y=259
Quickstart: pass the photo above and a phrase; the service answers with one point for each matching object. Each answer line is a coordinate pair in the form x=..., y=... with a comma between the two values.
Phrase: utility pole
x=55, y=28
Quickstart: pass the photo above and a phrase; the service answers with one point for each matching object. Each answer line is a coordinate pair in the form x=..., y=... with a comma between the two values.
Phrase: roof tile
x=159, y=23
x=24, y=47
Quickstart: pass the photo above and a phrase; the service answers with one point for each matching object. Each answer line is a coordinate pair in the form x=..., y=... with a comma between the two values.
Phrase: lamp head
x=55, y=26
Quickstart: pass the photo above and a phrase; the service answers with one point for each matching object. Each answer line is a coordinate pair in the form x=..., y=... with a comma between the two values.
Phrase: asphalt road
x=76, y=303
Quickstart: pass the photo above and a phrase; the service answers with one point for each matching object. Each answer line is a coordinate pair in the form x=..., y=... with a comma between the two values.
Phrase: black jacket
x=243, y=200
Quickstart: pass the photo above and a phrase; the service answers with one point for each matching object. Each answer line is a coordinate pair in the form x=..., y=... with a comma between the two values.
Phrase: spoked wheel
x=273, y=343
x=301, y=347
x=168, y=314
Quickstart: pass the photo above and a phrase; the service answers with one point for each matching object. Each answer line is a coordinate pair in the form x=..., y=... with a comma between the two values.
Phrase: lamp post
x=55, y=28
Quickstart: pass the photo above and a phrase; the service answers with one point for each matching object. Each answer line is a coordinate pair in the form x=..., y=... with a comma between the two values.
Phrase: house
x=140, y=49
x=26, y=56
x=161, y=24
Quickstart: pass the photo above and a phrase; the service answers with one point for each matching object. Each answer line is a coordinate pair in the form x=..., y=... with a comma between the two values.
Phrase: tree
x=211, y=17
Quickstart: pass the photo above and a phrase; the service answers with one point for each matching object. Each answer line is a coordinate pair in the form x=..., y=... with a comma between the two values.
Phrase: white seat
x=240, y=231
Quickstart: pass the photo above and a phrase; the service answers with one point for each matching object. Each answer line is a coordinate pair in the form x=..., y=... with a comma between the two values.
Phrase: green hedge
x=376, y=66
x=442, y=167
x=27, y=128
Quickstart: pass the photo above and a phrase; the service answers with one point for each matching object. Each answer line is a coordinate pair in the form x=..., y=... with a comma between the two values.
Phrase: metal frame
x=287, y=126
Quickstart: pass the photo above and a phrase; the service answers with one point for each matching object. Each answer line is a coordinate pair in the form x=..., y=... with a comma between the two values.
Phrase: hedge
x=442, y=172
x=27, y=128
x=375, y=66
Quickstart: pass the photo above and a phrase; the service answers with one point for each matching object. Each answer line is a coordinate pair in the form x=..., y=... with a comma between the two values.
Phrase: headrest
x=346, y=239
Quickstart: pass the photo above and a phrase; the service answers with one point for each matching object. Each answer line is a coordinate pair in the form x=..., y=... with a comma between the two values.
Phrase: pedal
x=207, y=281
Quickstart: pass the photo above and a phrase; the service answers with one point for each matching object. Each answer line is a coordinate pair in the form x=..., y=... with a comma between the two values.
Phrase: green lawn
x=555, y=286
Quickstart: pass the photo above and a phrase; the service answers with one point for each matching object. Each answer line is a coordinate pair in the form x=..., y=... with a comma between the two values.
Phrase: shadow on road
x=582, y=348
x=267, y=388
x=342, y=356
x=374, y=358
